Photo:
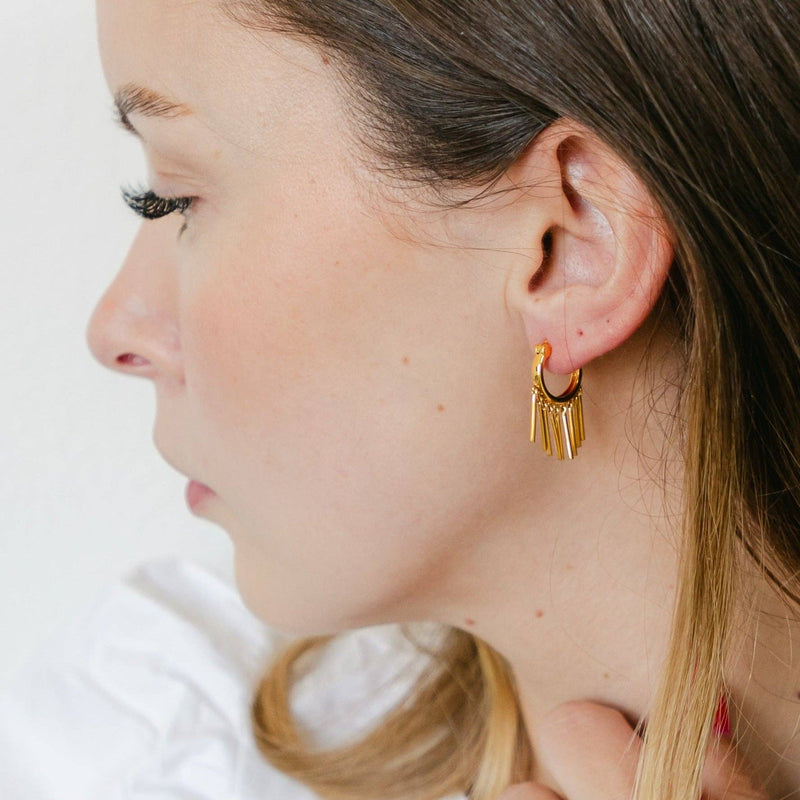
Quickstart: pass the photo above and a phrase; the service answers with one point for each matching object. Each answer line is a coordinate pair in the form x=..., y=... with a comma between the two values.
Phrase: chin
x=281, y=604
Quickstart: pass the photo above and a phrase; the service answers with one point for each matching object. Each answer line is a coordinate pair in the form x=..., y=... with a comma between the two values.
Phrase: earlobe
x=603, y=251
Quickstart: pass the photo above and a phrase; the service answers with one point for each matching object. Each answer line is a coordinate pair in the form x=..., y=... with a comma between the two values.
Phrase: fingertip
x=581, y=715
x=528, y=791
x=590, y=749
x=726, y=773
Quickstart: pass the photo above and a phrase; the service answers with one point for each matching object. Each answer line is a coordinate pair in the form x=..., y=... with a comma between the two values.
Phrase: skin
x=348, y=368
x=591, y=751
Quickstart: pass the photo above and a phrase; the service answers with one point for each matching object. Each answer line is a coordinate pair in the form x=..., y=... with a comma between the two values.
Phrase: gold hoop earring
x=559, y=418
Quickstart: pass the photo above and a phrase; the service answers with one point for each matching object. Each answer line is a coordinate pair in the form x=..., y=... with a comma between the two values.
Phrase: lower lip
x=197, y=494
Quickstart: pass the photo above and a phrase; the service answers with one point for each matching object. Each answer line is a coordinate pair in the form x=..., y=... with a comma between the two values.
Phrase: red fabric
x=722, y=720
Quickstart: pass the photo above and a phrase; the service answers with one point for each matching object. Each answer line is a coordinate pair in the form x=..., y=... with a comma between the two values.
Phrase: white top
x=146, y=695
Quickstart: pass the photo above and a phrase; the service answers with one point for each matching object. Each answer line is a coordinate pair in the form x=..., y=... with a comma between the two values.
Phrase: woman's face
x=340, y=369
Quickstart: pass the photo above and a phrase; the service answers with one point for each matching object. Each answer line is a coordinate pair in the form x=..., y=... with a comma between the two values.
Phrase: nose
x=134, y=326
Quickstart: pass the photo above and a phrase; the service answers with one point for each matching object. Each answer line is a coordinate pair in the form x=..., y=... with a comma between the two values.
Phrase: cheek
x=287, y=342
x=330, y=377
x=297, y=357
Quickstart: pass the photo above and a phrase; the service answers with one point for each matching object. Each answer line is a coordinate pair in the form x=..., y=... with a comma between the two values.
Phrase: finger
x=591, y=750
x=528, y=791
x=727, y=775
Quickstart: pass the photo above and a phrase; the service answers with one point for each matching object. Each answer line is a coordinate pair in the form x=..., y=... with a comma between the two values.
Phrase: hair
x=700, y=99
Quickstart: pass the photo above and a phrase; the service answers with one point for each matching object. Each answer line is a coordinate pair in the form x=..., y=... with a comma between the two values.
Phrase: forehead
x=237, y=81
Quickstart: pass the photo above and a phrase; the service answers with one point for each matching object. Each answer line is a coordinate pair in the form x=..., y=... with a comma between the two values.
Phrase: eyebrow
x=133, y=99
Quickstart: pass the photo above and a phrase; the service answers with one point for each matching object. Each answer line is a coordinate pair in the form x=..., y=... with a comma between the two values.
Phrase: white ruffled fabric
x=146, y=696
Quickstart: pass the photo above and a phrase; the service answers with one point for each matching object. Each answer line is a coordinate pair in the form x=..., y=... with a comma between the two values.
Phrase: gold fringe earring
x=560, y=419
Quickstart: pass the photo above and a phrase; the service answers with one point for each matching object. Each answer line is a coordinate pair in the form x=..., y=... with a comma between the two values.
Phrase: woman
x=410, y=237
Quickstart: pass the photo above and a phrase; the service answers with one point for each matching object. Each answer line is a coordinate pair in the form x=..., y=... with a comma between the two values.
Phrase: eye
x=147, y=204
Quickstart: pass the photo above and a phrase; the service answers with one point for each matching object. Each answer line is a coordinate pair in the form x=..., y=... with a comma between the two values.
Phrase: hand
x=591, y=752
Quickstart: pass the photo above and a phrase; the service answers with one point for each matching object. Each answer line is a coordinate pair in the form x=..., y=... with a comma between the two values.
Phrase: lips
x=197, y=493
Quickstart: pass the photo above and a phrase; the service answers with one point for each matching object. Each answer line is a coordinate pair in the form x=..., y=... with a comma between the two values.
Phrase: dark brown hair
x=702, y=99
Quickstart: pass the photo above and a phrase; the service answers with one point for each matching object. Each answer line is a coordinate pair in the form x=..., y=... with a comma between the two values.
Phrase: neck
x=764, y=678
x=590, y=573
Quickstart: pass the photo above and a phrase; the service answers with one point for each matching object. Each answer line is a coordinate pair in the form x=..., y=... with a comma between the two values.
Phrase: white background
x=84, y=496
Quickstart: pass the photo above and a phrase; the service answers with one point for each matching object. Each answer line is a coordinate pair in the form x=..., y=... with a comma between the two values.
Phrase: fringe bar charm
x=560, y=419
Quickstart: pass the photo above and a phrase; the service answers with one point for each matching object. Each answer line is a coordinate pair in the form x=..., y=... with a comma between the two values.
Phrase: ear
x=601, y=250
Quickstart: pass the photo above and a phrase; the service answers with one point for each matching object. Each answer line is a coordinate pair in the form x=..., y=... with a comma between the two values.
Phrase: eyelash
x=147, y=204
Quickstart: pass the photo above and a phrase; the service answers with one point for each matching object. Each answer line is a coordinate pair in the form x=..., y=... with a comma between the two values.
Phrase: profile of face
x=340, y=369
x=343, y=363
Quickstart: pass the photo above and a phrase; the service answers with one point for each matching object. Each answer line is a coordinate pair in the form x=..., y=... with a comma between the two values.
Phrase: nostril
x=131, y=360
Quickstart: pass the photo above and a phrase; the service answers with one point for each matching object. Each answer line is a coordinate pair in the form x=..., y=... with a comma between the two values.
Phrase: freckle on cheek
x=440, y=407
x=406, y=360
x=539, y=613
